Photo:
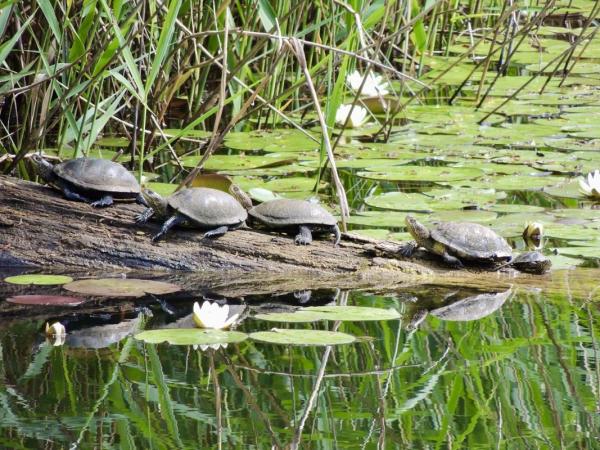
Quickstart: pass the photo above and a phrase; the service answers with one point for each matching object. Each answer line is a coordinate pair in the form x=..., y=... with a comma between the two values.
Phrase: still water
x=515, y=369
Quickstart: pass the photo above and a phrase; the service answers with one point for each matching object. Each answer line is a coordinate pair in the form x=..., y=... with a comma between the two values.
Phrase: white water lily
x=213, y=315
x=533, y=230
x=56, y=329
x=205, y=347
x=591, y=186
x=357, y=118
x=374, y=85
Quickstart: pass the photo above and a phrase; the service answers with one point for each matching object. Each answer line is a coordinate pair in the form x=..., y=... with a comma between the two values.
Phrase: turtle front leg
x=336, y=231
x=145, y=216
x=304, y=237
x=409, y=249
x=106, y=200
x=216, y=232
x=140, y=200
x=169, y=223
x=452, y=261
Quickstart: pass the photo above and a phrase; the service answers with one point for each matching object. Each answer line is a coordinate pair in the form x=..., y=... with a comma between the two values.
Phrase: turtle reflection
x=458, y=306
x=102, y=336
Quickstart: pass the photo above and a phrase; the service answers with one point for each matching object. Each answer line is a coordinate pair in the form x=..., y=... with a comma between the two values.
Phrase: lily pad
x=514, y=182
x=581, y=252
x=300, y=316
x=45, y=300
x=164, y=189
x=354, y=313
x=191, y=336
x=302, y=337
x=385, y=219
x=342, y=313
x=39, y=279
x=402, y=201
x=421, y=173
x=121, y=287
x=228, y=163
x=515, y=208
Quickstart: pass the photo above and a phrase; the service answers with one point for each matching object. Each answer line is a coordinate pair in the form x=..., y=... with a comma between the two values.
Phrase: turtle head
x=44, y=169
x=239, y=194
x=416, y=229
x=155, y=201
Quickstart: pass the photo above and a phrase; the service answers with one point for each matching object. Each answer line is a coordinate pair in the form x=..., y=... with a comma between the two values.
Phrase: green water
x=524, y=376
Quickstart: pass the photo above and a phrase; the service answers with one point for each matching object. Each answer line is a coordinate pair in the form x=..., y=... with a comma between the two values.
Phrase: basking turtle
x=456, y=242
x=297, y=216
x=94, y=181
x=531, y=262
x=203, y=208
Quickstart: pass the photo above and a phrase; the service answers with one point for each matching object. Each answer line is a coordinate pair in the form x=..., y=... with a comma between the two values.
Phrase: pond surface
x=515, y=369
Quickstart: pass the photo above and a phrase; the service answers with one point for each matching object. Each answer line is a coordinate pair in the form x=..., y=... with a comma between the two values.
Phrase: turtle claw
x=301, y=240
x=304, y=237
x=107, y=200
x=409, y=249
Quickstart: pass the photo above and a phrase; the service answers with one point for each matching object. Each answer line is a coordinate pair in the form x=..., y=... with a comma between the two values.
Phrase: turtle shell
x=208, y=207
x=472, y=241
x=284, y=212
x=98, y=174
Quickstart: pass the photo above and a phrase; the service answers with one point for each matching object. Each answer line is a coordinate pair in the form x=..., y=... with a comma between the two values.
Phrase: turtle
x=456, y=242
x=204, y=208
x=297, y=216
x=531, y=262
x=90, y=180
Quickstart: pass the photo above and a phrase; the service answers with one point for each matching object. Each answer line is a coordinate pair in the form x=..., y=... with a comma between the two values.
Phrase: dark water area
x=508, y=367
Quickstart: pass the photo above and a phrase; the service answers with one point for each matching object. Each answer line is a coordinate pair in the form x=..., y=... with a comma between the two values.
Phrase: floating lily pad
x=421, y=173
x=302, y=337
x=402, y=201
x=564, y=262
x=227, y=163
x=515, y=208
x=514, y=182
x=300, y=316
x=191, y=336
x=478, y=216
x=342, y=313
x=291, y=184
x=353, y=313
x=384, y=219
x=121, y=287
x=262, y=195
x=182, y=132
x=39, y=279
x=582, y=252
x=577, y=213
x=45, y=300
x=574, y=144
x=164, y=189
x=565, y=190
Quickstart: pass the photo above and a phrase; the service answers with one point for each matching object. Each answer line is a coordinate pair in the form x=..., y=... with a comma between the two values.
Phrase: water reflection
x=508, y=369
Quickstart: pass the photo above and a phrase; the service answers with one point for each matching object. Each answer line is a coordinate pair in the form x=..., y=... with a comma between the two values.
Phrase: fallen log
x=40, y=228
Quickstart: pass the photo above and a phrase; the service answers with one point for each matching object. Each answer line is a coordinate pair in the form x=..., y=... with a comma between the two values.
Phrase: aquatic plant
x=590, y=186
x=374, y=85
x=353, y=117
x=213, y=315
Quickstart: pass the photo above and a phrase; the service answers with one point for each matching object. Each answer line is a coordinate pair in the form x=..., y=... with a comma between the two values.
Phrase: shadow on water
x=510, y=367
